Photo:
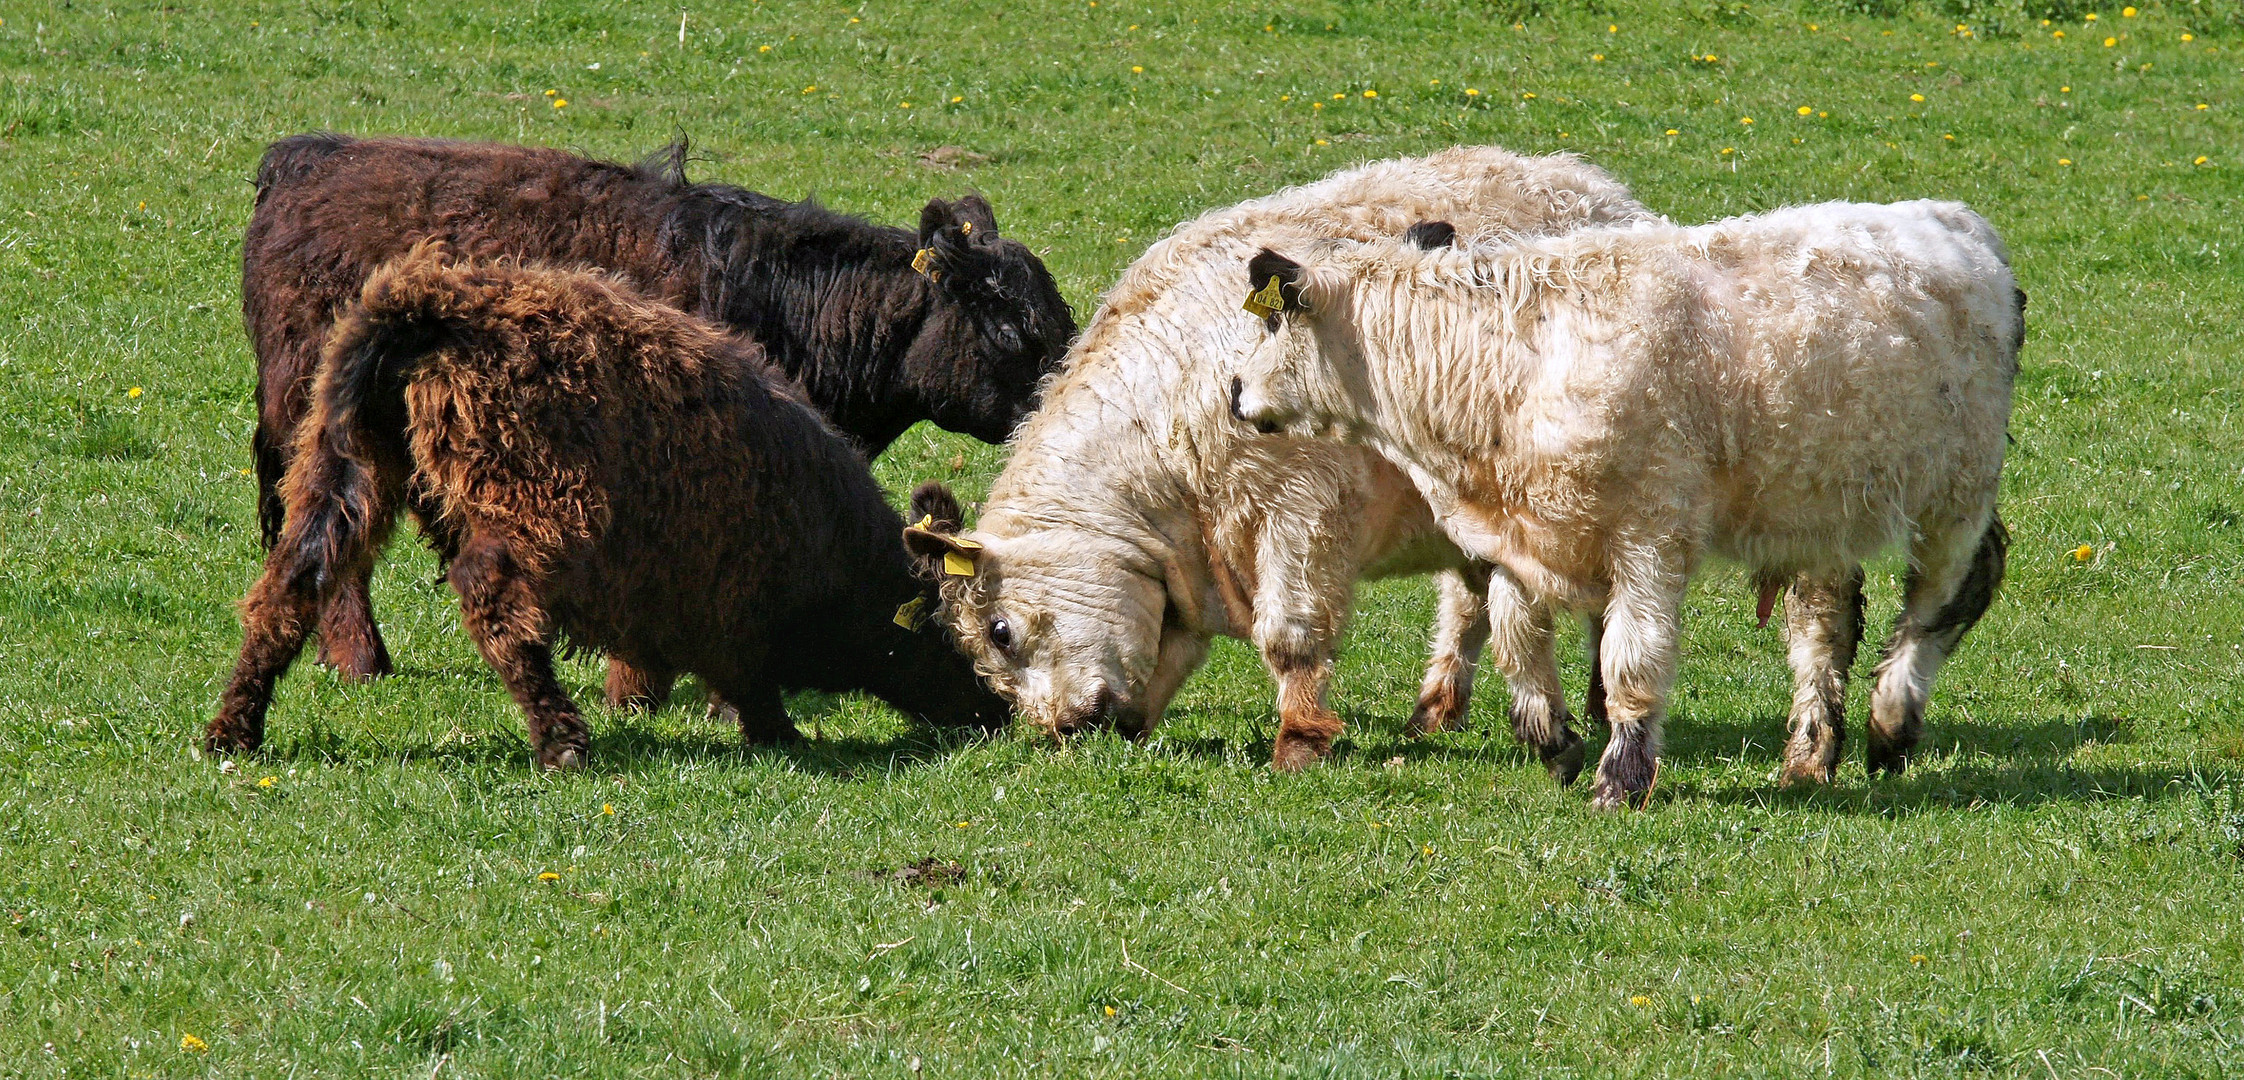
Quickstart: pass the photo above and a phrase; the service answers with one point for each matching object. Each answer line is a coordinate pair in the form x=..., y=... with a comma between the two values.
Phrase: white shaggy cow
x=1595, y=412
x=1135, y=519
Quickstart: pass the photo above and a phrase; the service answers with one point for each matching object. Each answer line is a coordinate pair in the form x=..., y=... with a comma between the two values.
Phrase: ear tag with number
x=924, y=262
x=957, y=563
x=966, y=228
x=912, y=613
x=1268, y=302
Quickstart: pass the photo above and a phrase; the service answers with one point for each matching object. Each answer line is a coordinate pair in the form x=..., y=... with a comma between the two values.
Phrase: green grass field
x=2052, y=891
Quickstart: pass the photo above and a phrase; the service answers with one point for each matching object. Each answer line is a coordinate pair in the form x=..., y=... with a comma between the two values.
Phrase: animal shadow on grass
x=637, y=742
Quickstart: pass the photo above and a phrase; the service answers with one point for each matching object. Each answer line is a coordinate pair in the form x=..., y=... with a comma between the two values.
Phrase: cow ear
x=975, y=218
x=1429, y=235
x=933, y=538
x=1273, y=284
x=937, y=215
x=932, y=502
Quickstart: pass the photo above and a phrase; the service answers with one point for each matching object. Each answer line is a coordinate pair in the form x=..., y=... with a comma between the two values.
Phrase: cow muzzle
x=1239, y=410
x=1102, y=710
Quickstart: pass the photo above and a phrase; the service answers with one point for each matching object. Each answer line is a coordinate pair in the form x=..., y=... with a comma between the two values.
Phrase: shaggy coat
x=1135, y=520
x=834, y=301
x=610, y=468
x=1597, y=412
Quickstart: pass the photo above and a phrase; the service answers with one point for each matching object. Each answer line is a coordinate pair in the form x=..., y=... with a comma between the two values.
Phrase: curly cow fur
x=610, y=468
x=833, y=300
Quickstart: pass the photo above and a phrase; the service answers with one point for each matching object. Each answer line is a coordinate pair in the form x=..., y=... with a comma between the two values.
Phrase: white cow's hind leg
x=1446, y=695
x=1822, y=628
x=1952, y=579
x=1522, y=647
x=1637, y=654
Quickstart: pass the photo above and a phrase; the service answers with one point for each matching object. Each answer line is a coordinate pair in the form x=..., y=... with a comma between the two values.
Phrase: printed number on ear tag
x=957, y=565
x=912, y=613
x=1268, y=302
x=924, y=262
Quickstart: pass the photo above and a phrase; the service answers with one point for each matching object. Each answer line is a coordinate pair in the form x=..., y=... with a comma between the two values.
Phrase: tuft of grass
x=2052, y=890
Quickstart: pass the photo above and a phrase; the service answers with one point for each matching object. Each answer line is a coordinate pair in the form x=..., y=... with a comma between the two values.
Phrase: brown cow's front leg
x=1460, y=633
x=636, y=688
x=349, y=641
x=502, y=613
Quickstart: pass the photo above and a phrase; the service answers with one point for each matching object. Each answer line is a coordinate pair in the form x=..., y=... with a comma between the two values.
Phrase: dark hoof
x=223, y=739
x=358, y=666
x=1297, y=752
x=1804, y=774
x=1436, y=712
x=557, y=757
x=1565, y=760
x=1887, y=755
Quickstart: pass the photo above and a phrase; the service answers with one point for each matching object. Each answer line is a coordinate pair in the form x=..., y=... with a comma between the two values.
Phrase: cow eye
x=1001, y=635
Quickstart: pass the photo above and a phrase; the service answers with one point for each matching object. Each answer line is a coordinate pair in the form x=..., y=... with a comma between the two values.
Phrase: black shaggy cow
x=882, y=328
x=611, y=468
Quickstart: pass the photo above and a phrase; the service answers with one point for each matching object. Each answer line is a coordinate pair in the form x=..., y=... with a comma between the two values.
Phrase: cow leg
x=349, y=641
x=1523, y=648
x=1822, y=629
x=637, y=687
x=763, y=714
x=1952, y=579
x=1461, y=632
x=1637, y=654
x=1593, y=640
x=499, y=606
x=1306, y=726
x=1182, y=653
x=277, y=617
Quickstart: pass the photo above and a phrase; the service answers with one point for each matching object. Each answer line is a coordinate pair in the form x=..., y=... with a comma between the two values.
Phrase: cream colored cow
x=1136, y=520
x=1597, y=411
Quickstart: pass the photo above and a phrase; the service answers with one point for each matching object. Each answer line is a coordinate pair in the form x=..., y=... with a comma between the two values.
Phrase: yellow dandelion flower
x=2091, y=17
x=1428, y=849
x=2057, y=33
x=1612, y=28
x=2110, y=41
x=2189, y=37
x=2064, y=161
x=193, y=1045
x=1746, y=120
x=961, y=824
x=1316, y=104
x=1639, y=1001
x=1340, y=97
x=560, y=103
x=810, y=89
x=1597, y=57
x=268, y=781
x=1434, y=82
x=903, y=104
x=2064, y=89
x=2201, y=159
x=1371, y=93
x=549, y=876
x=608, y=808
x=1321, y=142
x=1822, y=115
x=1710, y=58
x=1136, y=70
x=854, y=21
x=1528, y=96
x=1672, y=131
x=1918, y=958
x=1950, y=138
x=1470, y=92
x=1812, y=28
x=134, y=392
x=1918, y=98
x=1729, y=149
x=550, y=93
x=2201, y=106
x=1805, y=111
x=1285, y=97
x=2127, y=13
x=763, y=48
x=956, y=98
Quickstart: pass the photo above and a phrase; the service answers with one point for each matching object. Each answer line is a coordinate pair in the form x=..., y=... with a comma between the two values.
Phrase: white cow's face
x=1064, y=626
x=1306, y=376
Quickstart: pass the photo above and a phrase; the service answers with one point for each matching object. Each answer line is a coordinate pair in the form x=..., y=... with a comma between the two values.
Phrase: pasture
x=389, y=889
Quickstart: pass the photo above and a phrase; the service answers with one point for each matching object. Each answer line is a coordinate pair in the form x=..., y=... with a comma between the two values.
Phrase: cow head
x=1305, y=377
x=1064, y=624
x=998, y=326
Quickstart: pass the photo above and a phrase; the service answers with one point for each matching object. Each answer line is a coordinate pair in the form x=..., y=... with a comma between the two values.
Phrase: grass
x=2052, y=891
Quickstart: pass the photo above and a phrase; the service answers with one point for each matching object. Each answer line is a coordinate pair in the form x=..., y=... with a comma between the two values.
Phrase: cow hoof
x=1884, y=756
x=561, y=758
x=221, y=739
x=1437, y=712
x=1612, y=798
x=1803, y=774
x=357, y=665
x=1565, y=762
x=1296, y=752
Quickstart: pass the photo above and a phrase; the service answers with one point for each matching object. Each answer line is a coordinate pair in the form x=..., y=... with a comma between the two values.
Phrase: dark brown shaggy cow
x=835, y=301
x=608, y=467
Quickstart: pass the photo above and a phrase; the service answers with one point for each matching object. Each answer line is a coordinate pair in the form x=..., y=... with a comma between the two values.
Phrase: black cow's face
x=1000, y=327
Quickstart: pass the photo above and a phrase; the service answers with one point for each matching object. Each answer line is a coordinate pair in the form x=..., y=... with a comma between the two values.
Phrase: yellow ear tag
x=926, y=523
x=924, y=262
x=959, y=565
x=966, y=228
x=912, y=613
x=1268, y=302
